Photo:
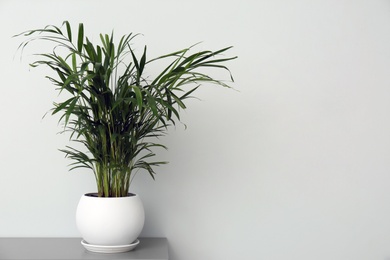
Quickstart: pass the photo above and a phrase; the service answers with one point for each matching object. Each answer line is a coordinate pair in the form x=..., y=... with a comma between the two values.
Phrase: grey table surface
x=71, y=249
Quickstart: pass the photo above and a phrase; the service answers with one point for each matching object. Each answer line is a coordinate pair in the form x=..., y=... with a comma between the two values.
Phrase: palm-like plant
x=112, y=110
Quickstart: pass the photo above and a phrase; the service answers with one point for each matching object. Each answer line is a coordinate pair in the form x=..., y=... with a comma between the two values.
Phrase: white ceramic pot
x=110, y=221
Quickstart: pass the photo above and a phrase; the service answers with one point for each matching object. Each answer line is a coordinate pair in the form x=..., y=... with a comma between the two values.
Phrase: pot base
x=109, y=249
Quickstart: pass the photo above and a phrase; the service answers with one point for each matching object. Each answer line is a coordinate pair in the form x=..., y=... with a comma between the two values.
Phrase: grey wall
x=293, y=166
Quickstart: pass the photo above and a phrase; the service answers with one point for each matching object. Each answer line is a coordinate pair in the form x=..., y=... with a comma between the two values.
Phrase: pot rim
x=95, y=195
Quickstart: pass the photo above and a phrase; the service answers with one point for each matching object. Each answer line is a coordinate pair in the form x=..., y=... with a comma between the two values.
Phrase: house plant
x=113, y=110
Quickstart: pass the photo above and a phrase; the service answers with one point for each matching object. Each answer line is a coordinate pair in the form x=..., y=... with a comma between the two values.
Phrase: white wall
x=294, y=166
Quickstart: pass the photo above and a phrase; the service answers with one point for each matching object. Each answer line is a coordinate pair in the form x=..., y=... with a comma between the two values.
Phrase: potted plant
x=116, y=114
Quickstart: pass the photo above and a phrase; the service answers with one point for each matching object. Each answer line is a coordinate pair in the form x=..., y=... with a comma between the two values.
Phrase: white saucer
x=109, y=249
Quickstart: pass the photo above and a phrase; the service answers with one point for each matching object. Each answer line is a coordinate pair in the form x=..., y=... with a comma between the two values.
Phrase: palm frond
x=115, y=113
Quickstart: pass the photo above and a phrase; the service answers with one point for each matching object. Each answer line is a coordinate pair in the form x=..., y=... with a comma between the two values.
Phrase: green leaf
x=74, y=62
x=178, y=100
x=138, y=95
x=142, y=62
x=68, y=30
x=152, y=104
x=62, y=105
x=90, y=50
x=80, y=40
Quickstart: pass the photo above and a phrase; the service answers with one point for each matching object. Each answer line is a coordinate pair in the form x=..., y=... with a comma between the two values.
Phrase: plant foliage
x=112, y=110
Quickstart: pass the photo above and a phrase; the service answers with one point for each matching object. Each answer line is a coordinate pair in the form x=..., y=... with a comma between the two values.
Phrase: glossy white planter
x=110, y=221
